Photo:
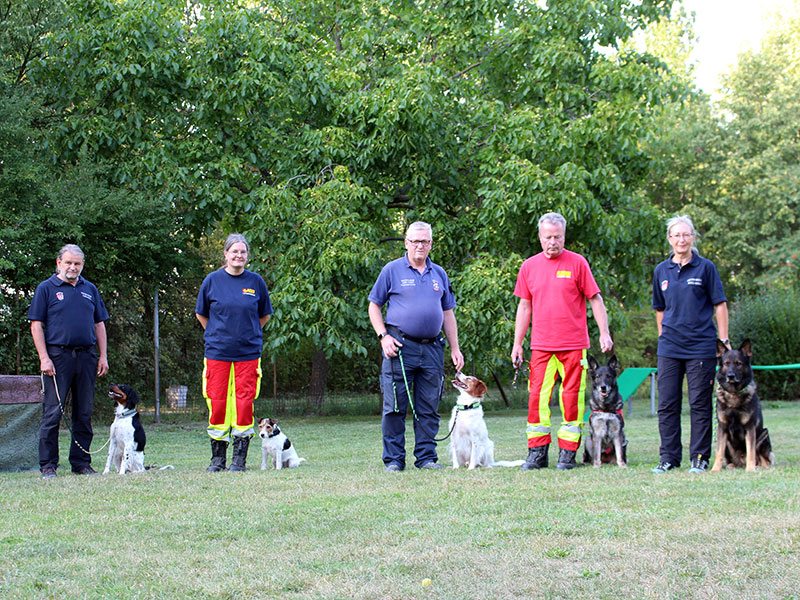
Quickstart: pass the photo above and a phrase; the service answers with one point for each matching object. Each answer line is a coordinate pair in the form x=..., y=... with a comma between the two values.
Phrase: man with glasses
x=419, y=305
x=553, y=287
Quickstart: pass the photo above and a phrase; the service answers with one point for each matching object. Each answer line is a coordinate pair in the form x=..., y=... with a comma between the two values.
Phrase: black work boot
x=219, y=448
x=537, y=458
x=240, y=446
x=566, y=459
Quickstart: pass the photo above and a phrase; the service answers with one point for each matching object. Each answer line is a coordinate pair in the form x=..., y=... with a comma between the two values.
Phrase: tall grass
x=339, y=527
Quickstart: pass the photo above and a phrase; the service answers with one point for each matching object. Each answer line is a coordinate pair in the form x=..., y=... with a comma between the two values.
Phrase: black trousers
x=76, y=371
x=700, y=383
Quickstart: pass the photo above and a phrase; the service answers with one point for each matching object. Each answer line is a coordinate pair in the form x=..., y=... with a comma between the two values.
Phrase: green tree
x=734, y=166
x=323, y=128
x=133, y=238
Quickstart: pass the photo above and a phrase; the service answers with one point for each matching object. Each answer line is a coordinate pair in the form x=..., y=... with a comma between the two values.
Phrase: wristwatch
x=382, y=335
x=726, y=341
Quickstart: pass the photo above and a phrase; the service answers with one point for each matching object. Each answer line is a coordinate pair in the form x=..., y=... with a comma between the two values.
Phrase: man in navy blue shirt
x=67, y=319
x=687, y=295
x=419, y=304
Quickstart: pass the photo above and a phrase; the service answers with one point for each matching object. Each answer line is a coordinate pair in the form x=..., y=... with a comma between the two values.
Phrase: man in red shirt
x=553, y=287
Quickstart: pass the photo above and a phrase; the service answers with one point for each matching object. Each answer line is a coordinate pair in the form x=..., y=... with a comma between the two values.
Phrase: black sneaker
x=85, y=471
x=393, y=467
x=663, y=467
x=537, y=458
x=566, y=459
x=49, y=473
x=699, y=465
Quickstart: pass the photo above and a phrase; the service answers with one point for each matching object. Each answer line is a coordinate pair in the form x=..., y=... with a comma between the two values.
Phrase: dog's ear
x=132, y=397
x=721, y=348
x=272, y=421
x=613, y=363
x=480, y=389
x=746, y=349
x=593, y=364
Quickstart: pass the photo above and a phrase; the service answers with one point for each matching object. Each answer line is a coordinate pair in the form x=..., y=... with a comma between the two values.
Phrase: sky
x=725, y=28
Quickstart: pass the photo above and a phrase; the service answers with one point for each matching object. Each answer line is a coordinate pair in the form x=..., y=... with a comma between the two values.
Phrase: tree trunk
x=319, y=379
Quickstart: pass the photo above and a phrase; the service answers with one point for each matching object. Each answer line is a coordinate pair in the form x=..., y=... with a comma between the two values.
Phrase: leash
x=66, y=421
x=411, y=403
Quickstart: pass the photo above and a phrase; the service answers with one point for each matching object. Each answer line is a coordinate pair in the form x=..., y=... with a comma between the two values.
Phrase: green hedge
x=771, y=319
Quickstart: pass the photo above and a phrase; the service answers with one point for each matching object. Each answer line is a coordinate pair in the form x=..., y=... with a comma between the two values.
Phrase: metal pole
x=653, y=393
x=156, y=352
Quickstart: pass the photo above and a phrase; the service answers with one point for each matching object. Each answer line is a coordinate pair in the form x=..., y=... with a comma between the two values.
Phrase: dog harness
x=127, y=413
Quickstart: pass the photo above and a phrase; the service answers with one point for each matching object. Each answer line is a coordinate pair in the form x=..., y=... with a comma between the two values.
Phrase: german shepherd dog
x=741, y=437
x=605, y=442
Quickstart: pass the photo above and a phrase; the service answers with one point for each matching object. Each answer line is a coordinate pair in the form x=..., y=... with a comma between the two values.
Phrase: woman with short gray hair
x=687, y=298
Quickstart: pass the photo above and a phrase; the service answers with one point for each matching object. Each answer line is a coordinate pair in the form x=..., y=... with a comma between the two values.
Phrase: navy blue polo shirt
x=416, y=301
x=233, y=305
x=68, y=312
x=687, y=295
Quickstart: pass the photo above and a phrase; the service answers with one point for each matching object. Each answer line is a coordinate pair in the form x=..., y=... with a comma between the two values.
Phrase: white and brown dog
x=274, y=443
x=127, y=438
x=470, y=445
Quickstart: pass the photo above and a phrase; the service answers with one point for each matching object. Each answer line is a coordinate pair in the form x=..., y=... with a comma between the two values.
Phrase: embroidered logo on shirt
x=694, y=281
x=248, y=291
x=407, y=282
x=435, y=286
x=664, y=285
x=87, y=296
x=564, y=274
x=60, y=295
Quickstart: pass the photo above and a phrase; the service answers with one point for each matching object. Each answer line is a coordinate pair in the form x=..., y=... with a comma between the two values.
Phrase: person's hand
x=390, y=346
x=458, y=359
x=606, y=343
x=47, y=367
x=102, y=367
x=516, y=356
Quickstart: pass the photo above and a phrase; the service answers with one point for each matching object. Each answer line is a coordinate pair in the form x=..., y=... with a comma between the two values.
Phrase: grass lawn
x=339, y=527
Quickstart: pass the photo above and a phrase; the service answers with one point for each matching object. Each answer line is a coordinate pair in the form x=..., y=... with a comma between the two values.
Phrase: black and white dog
x=274, y=443
x=605, y=442
x=126, y=446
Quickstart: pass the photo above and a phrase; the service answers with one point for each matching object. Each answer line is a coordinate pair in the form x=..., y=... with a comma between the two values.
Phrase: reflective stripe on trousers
x=571, y=365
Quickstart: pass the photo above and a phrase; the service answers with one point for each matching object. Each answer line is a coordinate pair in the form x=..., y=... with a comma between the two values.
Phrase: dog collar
x=475, y=404
x=275, y=432
x=128, y=413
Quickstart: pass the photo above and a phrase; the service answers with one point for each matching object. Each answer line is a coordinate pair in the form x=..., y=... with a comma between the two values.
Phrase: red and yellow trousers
x=230, y=389
x=545, y=366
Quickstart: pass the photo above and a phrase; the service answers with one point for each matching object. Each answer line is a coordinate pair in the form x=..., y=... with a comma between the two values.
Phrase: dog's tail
x=164, y=468
x=300, y=460
x=508, y=463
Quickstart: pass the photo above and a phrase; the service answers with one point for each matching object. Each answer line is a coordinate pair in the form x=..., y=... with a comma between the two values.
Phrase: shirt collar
x=427, y=263
x=58, y=281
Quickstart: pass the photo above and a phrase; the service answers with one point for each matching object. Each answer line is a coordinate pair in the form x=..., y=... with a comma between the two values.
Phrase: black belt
x=71, y=348
x=411, y=337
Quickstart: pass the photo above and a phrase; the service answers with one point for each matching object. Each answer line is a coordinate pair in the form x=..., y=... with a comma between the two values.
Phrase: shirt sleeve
x=658, y=295
x=264, y=303
x=202, y=307
x=38, y=309
x=715, y=292
x=521, y=289
x=100, y=310
x=380, y=290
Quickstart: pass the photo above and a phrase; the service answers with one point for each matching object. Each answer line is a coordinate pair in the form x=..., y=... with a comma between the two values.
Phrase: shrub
x=771, y=320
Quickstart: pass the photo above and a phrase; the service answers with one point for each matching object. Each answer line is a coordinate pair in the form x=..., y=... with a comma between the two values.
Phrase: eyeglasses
x=422, y=243
x=682, y=236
